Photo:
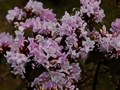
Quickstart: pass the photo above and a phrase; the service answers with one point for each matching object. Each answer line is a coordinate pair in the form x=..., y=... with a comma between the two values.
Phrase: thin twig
x=96, y=76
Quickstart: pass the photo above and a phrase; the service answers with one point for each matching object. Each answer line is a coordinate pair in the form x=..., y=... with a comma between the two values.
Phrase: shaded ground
x=58, y=6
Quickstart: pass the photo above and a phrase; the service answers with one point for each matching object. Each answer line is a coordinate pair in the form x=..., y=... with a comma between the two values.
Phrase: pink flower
x=71, y=23
x=17, y=62
x=39, y=38
x=47, y=15
x=34, y=6
x=104, y=32
x=28, y=23
x=116, y=26
x=105, y=43
x=88, y=45
x=19, y=38
x=16, y=13
x=51, y=48
x=49, y=85
x=72, y=41
x=32, y=44
x=6, y=41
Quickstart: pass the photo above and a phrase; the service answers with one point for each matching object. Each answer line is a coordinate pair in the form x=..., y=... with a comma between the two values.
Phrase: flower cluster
x=51, y=48
x=50, y=58
x=32, y=8
x=91, y=9
x=109, y=42
x=37, y=8
x=14, y=14
x=115, y=26
x=6, y=41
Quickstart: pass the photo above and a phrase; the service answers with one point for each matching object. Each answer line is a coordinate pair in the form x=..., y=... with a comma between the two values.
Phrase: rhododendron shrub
x=51, y=58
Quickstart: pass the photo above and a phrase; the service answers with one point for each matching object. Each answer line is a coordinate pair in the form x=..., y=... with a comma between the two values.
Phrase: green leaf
x=115, y=80
x=95, y=57
x=37, y=71
x=28, y=70
x=21, y=86
x=80, y=87
x=62, y=42
x=114, y=65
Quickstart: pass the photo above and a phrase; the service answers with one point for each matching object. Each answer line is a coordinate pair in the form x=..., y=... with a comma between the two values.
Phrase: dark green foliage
x=115, y=80
x=31, y=73
x=95, y=57
x=62, y=42
x=80, y=87
x=28, y=69
x=37, y=71
x=21, y=86
x=114, y=65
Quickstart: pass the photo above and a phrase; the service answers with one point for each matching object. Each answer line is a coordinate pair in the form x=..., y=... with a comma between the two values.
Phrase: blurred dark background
x=112, y=12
